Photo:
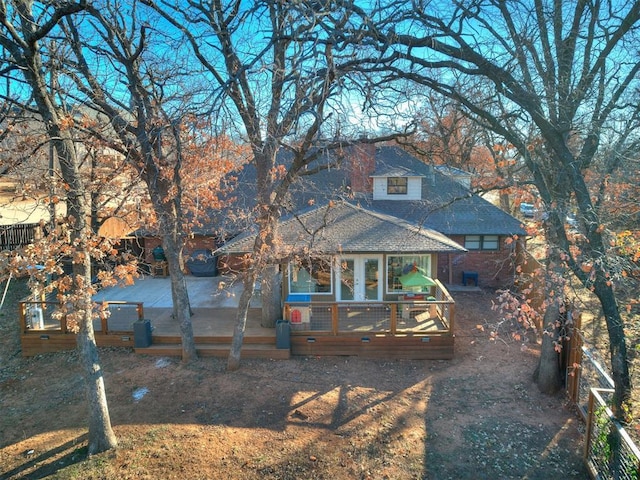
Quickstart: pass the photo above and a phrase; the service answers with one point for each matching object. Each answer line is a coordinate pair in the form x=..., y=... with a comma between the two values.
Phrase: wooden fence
x=18, y=235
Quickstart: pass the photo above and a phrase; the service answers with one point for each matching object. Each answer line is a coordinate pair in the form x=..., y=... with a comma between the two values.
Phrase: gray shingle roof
x=343, y=227
x=446, y=206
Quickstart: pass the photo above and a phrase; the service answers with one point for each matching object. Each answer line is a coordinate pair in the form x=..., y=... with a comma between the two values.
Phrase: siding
x=414, y=189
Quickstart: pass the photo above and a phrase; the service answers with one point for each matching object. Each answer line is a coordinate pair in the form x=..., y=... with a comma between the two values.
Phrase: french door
x=359, y=278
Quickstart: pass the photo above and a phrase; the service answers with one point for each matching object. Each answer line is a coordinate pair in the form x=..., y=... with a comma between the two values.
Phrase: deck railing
x=399, y=317
x=110, y=317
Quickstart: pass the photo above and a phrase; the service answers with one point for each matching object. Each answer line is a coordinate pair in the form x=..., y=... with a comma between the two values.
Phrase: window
x=481, y=242
x=397, y=185
x=310, y=275
x=399, y=265
x=490, y=242
x=472, y=242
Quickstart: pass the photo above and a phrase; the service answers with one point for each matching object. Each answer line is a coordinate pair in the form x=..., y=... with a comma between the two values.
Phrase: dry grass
x=477, y=416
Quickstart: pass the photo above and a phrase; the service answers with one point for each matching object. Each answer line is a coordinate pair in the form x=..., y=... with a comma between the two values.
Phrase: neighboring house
x=390, y=182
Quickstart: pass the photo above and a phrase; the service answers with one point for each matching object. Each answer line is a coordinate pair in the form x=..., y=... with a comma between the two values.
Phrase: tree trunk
x=182, y=313
x=101, y=435
x=180, y=296
x=617, y=348
x=249, y=282
x=271, y=296
x=547, y=373
x=505, y=202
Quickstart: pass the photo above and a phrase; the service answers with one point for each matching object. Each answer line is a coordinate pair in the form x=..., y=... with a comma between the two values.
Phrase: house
x=389, y=181
x=370, y=242
x=365, y=267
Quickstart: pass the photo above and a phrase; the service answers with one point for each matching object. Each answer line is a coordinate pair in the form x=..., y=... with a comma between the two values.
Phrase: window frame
x=470, y=242
x=293, y=264
x=403, y=264
x=397, y=185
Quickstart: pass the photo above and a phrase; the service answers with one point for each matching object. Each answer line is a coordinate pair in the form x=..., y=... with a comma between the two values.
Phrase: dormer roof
x=393, y=171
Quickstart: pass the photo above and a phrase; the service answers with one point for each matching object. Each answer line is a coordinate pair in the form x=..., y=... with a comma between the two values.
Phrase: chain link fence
x=609, y=451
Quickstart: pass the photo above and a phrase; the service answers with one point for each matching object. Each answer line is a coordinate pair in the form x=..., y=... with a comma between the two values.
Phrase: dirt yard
x=478, y=416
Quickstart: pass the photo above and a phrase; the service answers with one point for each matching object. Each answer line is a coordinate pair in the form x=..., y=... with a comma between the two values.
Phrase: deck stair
x=216, y=346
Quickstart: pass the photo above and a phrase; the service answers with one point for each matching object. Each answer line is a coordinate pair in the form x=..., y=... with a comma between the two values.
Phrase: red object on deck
x=296, y=316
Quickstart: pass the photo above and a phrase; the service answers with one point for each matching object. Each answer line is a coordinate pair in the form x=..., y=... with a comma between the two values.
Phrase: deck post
x=104, y=324
x=394, y=318
x=334, y=319
x=589, y=422
x=22, y=313
x=575, y=358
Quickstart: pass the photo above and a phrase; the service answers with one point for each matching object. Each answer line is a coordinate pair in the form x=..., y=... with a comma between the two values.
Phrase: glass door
x=372, y=275
x=346, y=280
x=359, y=278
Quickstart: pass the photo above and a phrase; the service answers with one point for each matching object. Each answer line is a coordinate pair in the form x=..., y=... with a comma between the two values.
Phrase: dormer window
x=397, y=185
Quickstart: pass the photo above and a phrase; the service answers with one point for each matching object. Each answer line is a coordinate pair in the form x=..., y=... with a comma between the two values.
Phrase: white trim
x=359, y=261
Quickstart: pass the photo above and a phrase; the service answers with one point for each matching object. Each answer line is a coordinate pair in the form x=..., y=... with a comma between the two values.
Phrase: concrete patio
x=214, y=302
x=155, y=292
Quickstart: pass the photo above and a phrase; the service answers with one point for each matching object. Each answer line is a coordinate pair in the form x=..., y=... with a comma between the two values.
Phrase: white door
x=359, y=278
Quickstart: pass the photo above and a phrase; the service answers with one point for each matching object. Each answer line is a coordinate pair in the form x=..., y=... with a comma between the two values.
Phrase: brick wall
x=496, y=269
x=362, y=164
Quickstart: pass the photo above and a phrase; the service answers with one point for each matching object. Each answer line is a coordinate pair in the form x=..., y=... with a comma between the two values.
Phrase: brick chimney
x=362, y=164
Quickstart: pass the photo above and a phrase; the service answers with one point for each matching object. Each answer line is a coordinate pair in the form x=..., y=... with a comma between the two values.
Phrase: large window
x=310, y=275
x=400, y=265
x=481, y=242
x=397, y=185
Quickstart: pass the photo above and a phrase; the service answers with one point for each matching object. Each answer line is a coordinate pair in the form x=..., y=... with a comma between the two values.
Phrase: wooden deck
x=411, y=347
x=391, y=330
x=212, y=327
x=213, y=332
x=382, y=330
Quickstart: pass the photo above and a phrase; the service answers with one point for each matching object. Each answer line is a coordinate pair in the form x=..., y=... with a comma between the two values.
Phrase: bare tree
x=558, y=81
x=23, y=26
x=446, y=136
x=280, y=72
x=149, y=121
